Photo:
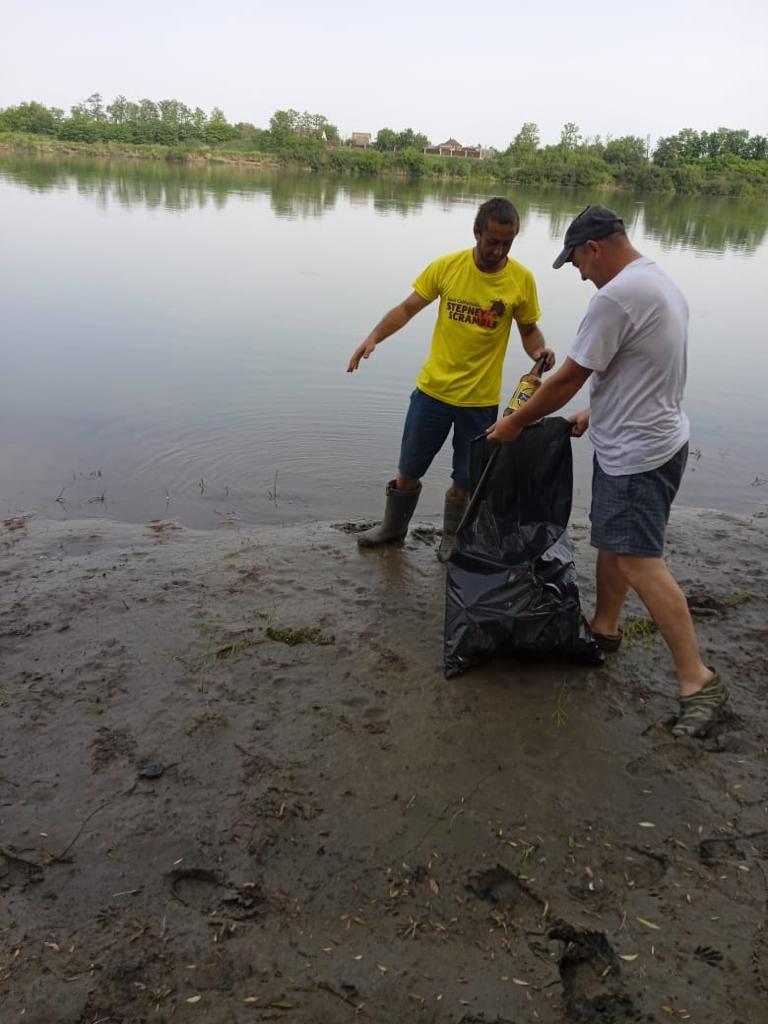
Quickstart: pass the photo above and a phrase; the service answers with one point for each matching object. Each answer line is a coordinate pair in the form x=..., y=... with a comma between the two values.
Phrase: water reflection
x=714, y=225
x=166, y=350
x=705, y=224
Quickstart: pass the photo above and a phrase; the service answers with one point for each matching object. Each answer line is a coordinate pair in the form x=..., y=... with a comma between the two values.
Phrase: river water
x=174, y=340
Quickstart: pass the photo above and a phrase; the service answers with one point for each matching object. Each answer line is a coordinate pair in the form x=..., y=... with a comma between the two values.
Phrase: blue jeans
x=428, y=424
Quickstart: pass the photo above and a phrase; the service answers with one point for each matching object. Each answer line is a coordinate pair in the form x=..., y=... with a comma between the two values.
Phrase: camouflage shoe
x=699, y=711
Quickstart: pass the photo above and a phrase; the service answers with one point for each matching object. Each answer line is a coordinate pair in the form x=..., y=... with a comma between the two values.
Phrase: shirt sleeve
x=528, y=310
x=600, y=334
x=427, y=284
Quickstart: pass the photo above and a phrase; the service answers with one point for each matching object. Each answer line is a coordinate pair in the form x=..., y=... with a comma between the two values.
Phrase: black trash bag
x=511, y=587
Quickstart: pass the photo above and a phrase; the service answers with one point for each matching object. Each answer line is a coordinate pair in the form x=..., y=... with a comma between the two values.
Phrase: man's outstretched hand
x=363, y=351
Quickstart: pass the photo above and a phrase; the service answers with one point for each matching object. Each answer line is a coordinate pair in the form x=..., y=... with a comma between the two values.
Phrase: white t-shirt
x=634, y=336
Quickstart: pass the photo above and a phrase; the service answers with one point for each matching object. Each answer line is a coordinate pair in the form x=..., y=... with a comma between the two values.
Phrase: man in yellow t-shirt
x=481, y=291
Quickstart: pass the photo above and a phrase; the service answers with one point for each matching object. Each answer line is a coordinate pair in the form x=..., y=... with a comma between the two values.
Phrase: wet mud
x=235, y=786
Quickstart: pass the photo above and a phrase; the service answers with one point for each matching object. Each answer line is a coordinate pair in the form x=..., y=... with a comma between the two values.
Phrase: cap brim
x=564, y=257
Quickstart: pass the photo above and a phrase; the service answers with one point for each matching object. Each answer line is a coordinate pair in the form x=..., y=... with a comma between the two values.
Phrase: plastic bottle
x=527, y=386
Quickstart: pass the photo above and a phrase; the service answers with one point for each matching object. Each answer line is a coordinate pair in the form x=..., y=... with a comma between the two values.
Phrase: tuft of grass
x=638, y=632
x=233, y=648
x=559, y=714
x=302, y=635
x=735, y=599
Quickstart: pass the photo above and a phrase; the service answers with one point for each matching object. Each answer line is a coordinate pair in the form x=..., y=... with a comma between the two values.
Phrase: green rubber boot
x=398, y=510
x=453, y=511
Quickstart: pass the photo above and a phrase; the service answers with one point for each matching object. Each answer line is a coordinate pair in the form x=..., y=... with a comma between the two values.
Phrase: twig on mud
x=59, y=857
x=327, y=987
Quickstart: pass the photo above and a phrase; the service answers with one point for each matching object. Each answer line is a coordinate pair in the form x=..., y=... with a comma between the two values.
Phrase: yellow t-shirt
x=470, y=338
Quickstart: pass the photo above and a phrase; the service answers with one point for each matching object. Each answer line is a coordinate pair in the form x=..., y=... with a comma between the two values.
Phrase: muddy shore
x=234, y=786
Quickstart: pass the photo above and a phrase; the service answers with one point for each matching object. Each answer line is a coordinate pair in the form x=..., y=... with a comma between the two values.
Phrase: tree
x=525, y=143
x=688, y=145
x=29, y=117
x=667, y=151
x=117, y=110
x=386, y=140
x=569, y=137
x=218, y=128
x=757, y=148
x=627, y=150
x=726, y=141
x=390, y=141
x=282, y=127
x=91, y=109
x=409, y=139
x=199, y=121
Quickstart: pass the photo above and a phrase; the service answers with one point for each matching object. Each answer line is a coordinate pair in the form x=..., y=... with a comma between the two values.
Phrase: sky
x=475, y=72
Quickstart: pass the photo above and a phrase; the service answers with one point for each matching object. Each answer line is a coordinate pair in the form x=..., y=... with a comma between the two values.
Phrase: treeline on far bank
x=725, y=162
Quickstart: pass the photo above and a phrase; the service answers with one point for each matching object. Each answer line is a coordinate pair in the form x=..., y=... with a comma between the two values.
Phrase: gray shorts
x=630, y=513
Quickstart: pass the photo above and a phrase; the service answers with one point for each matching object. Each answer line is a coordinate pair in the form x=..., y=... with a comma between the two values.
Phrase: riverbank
x=43, y=146
x=366, y=163
x=731, y=177
x=235, y=786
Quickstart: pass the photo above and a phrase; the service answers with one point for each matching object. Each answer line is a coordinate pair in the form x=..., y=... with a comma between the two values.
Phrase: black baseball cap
x=593, y=223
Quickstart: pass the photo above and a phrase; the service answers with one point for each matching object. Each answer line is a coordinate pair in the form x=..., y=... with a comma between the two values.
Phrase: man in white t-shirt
x=631, y=345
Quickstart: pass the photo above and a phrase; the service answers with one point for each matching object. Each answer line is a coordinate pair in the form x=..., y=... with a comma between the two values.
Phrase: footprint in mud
x=355, y=701
x=596, y=894
x=16, y=871
x=632, y=868
x=641, y=869
x=206, y=722
x=668, y=756
x=713, y=851
x=591, y=975
x=208, y=892
x=507, y=891
x=111, y=745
